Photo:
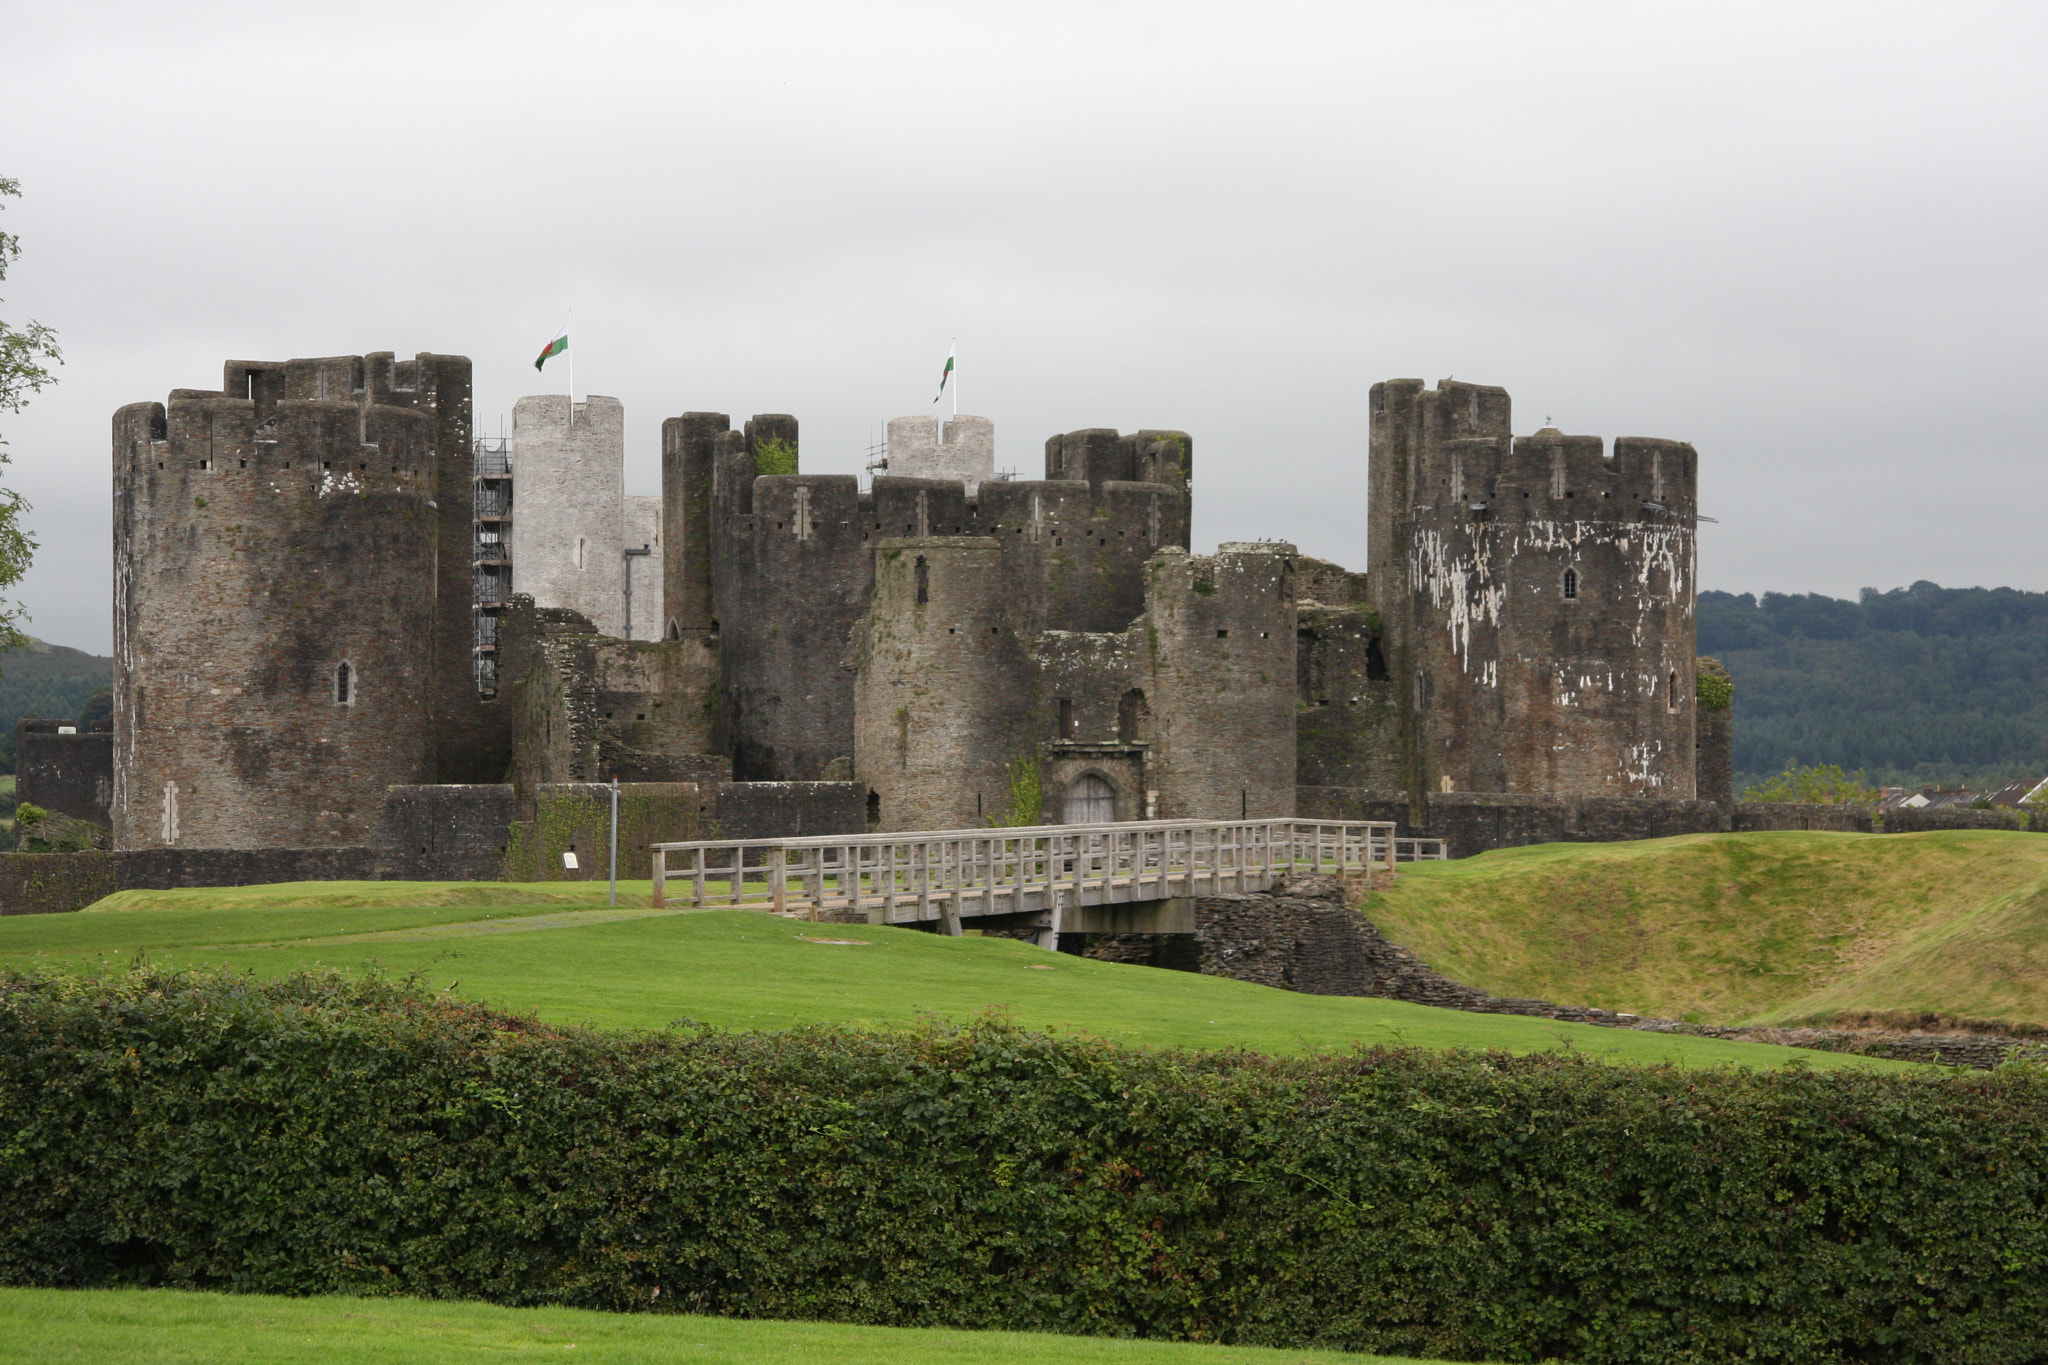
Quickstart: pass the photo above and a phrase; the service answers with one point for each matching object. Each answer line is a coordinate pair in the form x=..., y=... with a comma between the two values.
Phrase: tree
x=1815, y=786
x=26, y=353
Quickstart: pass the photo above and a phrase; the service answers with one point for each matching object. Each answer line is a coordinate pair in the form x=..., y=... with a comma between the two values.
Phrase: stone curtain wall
x=71, y=774
x=576, y=817
x=48, y=883
x=1473, y=822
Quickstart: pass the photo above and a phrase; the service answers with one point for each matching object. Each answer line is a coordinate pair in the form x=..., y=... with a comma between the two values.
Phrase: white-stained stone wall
x=643, y=531
x=965, y=449
x=568, y=506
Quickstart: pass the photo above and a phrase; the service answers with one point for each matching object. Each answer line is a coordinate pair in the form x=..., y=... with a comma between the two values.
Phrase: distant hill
x=48, y=681
x=1920, y=686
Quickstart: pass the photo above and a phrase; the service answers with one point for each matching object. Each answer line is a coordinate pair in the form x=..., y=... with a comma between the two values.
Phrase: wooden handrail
x=944, y=875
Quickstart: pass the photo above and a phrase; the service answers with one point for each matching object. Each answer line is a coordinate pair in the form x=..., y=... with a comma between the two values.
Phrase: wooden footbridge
x=1135, y=877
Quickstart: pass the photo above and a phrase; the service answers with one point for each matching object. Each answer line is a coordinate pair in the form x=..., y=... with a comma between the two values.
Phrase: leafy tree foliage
x=1920, y=686
x=26, y=353
x=1818, y=785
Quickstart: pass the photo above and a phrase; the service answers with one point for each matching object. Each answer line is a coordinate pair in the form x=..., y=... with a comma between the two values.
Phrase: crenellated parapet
x=771, y=567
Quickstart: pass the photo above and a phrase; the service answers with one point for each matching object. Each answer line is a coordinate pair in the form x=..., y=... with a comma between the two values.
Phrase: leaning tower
x=277, y=660
x=1538, y=595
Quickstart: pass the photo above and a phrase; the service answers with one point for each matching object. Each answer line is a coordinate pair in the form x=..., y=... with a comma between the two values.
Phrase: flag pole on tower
x=553, y=349
x=946, y=376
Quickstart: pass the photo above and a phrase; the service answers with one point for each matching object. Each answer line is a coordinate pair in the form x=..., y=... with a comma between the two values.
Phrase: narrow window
x=1130, y=715
x=1375, y=661
x=1571, y=583
x=874, y=810
x=1066, y=718
x=582, y=551
x=924, y=581
x=344, y=684
x=1671, y=693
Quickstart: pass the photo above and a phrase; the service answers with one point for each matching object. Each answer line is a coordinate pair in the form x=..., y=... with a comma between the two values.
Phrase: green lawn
x=537, y=949
x=172, y=1327
x=1745, y=928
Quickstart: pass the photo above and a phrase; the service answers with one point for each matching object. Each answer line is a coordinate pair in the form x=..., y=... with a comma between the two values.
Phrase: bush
x=323, y=1134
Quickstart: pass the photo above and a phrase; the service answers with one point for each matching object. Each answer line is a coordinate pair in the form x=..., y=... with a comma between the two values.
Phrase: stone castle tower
x=1537, y=597
x=568, y=522
x=292, y=615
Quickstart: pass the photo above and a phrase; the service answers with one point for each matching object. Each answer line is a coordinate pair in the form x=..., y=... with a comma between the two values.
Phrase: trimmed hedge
x=324, y=1134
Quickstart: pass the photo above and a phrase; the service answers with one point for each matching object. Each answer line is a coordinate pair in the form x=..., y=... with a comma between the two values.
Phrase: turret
x=276, y=623
x=1539, y=594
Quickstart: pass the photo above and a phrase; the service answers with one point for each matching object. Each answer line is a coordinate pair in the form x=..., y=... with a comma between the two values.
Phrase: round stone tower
x=274, y=579
x=1539, y=594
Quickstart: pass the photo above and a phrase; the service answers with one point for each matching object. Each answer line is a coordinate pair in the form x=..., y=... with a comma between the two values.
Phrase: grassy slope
x=1745, y=928
x=168, y=1327
x=740, y=969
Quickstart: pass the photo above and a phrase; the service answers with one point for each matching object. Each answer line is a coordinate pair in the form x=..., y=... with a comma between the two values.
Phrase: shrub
x=325, y=1134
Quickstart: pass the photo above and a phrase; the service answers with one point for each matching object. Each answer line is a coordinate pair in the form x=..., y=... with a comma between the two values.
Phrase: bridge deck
x=947, y=876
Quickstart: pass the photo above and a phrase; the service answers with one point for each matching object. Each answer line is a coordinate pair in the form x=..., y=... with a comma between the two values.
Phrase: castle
x=326, y=590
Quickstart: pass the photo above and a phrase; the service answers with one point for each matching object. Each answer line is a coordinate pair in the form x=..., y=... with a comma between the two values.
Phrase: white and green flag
x=552, y=349
x=945, y=375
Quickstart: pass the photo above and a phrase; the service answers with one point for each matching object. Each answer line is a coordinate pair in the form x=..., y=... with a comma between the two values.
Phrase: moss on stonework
x=1716, y=692
x=1204, y=588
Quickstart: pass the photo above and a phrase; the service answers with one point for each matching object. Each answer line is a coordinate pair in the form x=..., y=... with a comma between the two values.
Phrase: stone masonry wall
x=569, y=494
x=52, y=883
x=642, y=575
x=1538, y=597
x=265, y=537
x=72, y=774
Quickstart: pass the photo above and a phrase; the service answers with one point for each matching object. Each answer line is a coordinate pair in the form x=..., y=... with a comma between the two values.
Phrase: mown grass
x=173, y=1327
x=1745, y=928
x=556, y=952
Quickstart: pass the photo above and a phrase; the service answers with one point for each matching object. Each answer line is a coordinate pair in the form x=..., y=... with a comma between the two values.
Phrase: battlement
x=1446, y=455
x=1098, y=455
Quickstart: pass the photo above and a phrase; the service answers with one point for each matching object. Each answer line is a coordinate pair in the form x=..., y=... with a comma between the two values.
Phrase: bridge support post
x=660, y=875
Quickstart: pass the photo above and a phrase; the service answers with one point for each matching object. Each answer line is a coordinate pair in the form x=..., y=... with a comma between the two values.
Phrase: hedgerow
x=324, y=1134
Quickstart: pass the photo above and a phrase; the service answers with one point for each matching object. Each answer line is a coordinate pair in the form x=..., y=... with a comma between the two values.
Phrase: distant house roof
x=1958, y=797
x=2025, y=790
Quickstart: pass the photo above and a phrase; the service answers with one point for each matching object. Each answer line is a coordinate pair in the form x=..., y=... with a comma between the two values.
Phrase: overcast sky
x=1806, y=237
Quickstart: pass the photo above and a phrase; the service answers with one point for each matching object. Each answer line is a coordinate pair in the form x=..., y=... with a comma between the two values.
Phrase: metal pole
x=615, y=843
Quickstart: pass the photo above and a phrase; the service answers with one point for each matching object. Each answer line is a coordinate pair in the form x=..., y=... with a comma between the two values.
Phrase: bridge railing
x=944, y=875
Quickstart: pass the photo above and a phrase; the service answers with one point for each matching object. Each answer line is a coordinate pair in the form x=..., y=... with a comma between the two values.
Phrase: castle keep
x=296, y=633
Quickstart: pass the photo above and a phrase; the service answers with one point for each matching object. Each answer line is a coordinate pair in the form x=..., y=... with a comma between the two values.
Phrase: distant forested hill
x=1920, y=686
x=47, y=681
